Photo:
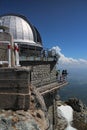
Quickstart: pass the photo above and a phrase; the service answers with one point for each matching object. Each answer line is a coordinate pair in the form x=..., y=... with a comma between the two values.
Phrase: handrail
x=35, y=58
x=35, y=54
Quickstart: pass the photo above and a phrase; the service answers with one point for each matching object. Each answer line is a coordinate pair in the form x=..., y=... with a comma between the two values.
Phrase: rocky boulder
x=60, y=121
x=23, y=120
x=76, y=104
x=80, y=113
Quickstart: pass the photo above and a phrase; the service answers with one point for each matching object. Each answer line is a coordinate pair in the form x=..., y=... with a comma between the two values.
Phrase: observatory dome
x=22, y=30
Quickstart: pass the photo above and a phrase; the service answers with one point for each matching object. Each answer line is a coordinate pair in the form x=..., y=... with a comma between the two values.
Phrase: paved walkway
x=51, y=87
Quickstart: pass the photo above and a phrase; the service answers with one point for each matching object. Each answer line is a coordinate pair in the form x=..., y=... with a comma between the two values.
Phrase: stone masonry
x=42, y=74
x=14, y=88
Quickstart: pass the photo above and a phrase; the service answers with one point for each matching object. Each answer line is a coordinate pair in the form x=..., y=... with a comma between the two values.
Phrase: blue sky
x=62, y=23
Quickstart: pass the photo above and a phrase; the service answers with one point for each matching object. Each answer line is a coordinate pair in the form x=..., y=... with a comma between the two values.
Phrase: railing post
x=9, y=55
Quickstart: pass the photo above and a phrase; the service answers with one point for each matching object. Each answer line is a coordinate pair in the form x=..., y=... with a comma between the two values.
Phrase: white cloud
x=68, y=61
x=83, y=61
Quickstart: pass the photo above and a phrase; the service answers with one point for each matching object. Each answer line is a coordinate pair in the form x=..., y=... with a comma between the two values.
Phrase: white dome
x=21, y=29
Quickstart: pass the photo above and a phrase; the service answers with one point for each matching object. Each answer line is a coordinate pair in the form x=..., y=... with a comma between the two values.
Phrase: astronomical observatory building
x=24, y=63
x=23, y=33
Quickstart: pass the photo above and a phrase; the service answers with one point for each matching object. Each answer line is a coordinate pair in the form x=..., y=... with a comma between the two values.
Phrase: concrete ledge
x=51, y=87
x=14, y=88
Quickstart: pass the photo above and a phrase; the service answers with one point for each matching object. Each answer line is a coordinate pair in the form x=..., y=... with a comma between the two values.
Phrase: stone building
x=39, y=64
x=31, y=50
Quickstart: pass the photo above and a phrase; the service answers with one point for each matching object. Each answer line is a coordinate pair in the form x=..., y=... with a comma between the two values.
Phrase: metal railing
x=43, y=55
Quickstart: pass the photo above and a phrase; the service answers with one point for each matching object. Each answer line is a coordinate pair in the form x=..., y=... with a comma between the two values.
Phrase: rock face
x=80, y=120
x=35, y=118
x=22, y=120
x=76, y=104
x=79, y=115
x=60, y=121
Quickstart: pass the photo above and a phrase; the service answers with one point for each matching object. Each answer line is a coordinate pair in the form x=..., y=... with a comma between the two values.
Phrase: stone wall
x=3, y=52
x=43, y=74
x=14, y=88
x=4, y=36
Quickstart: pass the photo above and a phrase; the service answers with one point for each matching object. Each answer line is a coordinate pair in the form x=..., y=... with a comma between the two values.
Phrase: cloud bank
x=69, y=62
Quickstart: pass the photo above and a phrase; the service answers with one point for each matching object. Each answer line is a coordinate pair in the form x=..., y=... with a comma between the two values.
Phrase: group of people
x=61, y=76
